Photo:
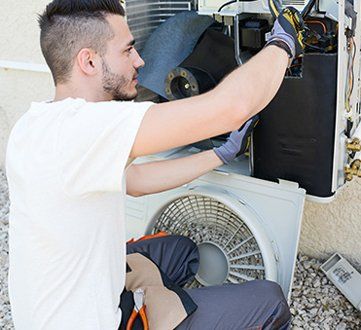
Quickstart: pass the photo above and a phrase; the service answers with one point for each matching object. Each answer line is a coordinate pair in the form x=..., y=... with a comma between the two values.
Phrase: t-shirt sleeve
x=94, y=144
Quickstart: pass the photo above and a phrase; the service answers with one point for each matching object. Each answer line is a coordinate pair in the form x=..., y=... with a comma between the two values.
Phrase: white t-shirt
x=65, y=165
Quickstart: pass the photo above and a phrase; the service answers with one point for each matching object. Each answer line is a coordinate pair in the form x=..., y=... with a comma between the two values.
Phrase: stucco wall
x=19, y=33
x=334, y=227
x=19, y=42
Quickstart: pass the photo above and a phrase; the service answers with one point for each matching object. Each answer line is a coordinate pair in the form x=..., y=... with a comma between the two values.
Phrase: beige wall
x=334, y=227
x=19, y=33
x=19, y=42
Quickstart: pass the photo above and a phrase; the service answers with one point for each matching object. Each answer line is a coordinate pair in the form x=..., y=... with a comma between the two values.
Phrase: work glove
x=287, y=32
x=237, y=142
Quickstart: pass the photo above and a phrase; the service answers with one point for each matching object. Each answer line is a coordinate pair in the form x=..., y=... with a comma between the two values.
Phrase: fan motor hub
x=213, y=264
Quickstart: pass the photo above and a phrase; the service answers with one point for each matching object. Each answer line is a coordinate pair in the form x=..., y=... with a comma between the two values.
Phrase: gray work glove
x=236, y=142
x=287, y=32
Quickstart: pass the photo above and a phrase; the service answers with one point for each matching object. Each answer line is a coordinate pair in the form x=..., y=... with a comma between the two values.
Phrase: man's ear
x=88, y=61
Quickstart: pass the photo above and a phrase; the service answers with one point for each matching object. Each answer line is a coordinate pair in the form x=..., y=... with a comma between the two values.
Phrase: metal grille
x=205, y=219
x=145, y=16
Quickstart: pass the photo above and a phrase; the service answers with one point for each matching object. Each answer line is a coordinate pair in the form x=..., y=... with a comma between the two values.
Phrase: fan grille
x=205, y=219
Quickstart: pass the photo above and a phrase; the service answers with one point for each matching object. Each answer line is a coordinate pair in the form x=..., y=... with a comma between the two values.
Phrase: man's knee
x=165, y=243
x=188, y=257
x=185, y=243
x=270, y=306
x=279, y=314
x=270, y=287
x=250, y=305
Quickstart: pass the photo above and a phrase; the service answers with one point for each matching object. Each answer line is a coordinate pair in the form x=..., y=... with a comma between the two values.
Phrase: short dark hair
x=67, y=26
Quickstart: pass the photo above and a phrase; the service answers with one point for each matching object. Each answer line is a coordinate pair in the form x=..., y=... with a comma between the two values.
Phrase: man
x=66, y=162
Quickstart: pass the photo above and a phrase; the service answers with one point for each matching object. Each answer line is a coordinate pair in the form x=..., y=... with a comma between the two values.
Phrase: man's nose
x=138, y=61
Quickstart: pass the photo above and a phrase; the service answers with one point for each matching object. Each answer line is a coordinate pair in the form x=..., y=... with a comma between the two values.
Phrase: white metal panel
x=340, y=154
x=259, y=7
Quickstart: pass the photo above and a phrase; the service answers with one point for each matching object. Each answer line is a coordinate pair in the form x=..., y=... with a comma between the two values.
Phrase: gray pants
x=258, y=304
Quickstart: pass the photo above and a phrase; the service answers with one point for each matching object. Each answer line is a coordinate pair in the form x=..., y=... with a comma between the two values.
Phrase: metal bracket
x=231, y=20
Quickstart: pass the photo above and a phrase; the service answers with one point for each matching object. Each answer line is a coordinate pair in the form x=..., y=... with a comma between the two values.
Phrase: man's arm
x=154, y=177
x=242, y=94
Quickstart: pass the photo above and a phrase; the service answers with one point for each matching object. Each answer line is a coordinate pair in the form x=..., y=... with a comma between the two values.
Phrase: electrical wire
x=289, y=70
x=226, y=4
x=351, y=49
x=307, y=9
x=353, y=61
x=349, y=84
x=322, y=50
x=232, y=1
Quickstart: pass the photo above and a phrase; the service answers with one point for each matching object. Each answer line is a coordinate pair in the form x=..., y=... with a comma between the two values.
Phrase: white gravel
x=316, y=303
x=5, y=314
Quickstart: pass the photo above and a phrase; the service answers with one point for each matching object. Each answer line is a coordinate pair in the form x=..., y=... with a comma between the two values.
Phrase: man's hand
x=236, y=142
x=158, y=176
x=288, y=29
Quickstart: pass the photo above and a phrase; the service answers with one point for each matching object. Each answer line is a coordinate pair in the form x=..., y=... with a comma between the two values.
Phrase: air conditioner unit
x=245, y=228
x=246, y=216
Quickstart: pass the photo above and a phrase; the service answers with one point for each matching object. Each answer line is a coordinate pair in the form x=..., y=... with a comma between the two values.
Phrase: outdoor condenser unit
x=246, y=216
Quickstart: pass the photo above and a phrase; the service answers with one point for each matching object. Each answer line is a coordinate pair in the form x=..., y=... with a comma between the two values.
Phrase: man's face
x=121, y=62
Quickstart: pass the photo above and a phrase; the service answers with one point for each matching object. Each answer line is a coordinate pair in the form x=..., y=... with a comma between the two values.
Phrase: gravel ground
x=316, y=303
x=5, y=314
